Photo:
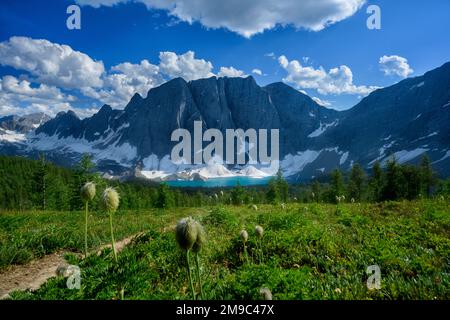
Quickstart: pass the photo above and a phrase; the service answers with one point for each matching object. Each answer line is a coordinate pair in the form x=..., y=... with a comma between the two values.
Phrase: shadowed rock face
x=410, y=116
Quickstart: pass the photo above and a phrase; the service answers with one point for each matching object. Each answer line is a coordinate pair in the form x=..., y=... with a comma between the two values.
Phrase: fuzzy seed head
x=265, y=293
x=87, y=192
x=259, y=231
x=201, y=238
x=110, y=200
x=244, y=236
x=186, y=233
x=353, y=200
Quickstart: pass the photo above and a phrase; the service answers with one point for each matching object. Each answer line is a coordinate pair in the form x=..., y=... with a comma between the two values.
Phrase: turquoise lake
x=220, y=182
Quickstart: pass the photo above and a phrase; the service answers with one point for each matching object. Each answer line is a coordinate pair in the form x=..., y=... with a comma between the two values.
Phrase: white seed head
x=244, y=236
x=87, y=191
x=110, y=200
x=259, y=231
x=265, y=293
x=186, y=233
x=353, y=200
x=201, y=237
x=255, y=207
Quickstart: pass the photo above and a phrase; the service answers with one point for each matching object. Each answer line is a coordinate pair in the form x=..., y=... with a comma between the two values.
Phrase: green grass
x=311, y=251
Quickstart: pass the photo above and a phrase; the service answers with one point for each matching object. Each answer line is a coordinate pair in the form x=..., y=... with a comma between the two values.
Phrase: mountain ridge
x=406, y=119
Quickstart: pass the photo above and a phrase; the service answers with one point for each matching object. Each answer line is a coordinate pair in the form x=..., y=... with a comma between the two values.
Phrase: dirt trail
x=33, y=275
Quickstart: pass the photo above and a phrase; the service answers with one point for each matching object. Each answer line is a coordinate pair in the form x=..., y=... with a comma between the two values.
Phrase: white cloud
x=185, y=66
x=53, y=66
x=12, y=85
x=124, y=80
x=395, y=65
x=321, y=102
x=230, y=72
x=19, y=97
x=51, y=63
x=250, y=17
x=337, y=80
x=257, y=72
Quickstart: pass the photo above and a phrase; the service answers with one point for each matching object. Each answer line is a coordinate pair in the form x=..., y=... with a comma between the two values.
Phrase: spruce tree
x=356, y=184
x=426, y=176
x=337, y=184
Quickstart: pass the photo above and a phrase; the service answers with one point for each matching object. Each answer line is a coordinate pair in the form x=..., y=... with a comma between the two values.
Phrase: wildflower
x=201, y=238
x=283, y=206
x=87, y=194
x=265, y=293
x=190, y=235
x=259, y=231
x=244, y=236
x=110, y=201
x=186, y=233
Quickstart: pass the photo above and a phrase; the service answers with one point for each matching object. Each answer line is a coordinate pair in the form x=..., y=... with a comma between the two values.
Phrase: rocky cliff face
x=406, y=119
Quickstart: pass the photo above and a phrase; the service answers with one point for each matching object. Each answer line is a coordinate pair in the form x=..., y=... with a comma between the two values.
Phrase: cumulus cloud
x=321, y=102
x=19, y=97
x=257, y=72
x=251, y=17
x=51, y=63
x=231, y=72
x=124, y=80
x=337, y=80
x=12, y=85
x=395, y=65
x=51, y=66
x=185, y=66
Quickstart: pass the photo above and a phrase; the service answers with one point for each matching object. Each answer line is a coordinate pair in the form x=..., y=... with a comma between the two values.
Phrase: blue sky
x=105, y=56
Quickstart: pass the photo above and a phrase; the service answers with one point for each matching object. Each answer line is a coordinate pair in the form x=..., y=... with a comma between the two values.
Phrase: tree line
x=38, y=184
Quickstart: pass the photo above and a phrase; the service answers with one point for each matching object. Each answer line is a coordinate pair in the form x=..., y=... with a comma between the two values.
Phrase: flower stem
x=85, y=231
x=189, y=274
x=112, y=237
x=198, y=276
x=245, y=253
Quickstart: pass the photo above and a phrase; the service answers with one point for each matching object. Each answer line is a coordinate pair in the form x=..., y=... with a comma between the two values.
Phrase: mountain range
x=407, y=120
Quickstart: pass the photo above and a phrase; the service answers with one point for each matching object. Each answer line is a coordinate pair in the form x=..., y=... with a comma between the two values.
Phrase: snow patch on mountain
x=322, y=128
x=446, y=155
x=421, y=84
x=405, y=155
x=293, y=164
x=123, y=154
x=344, y=158
x=12, y=137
